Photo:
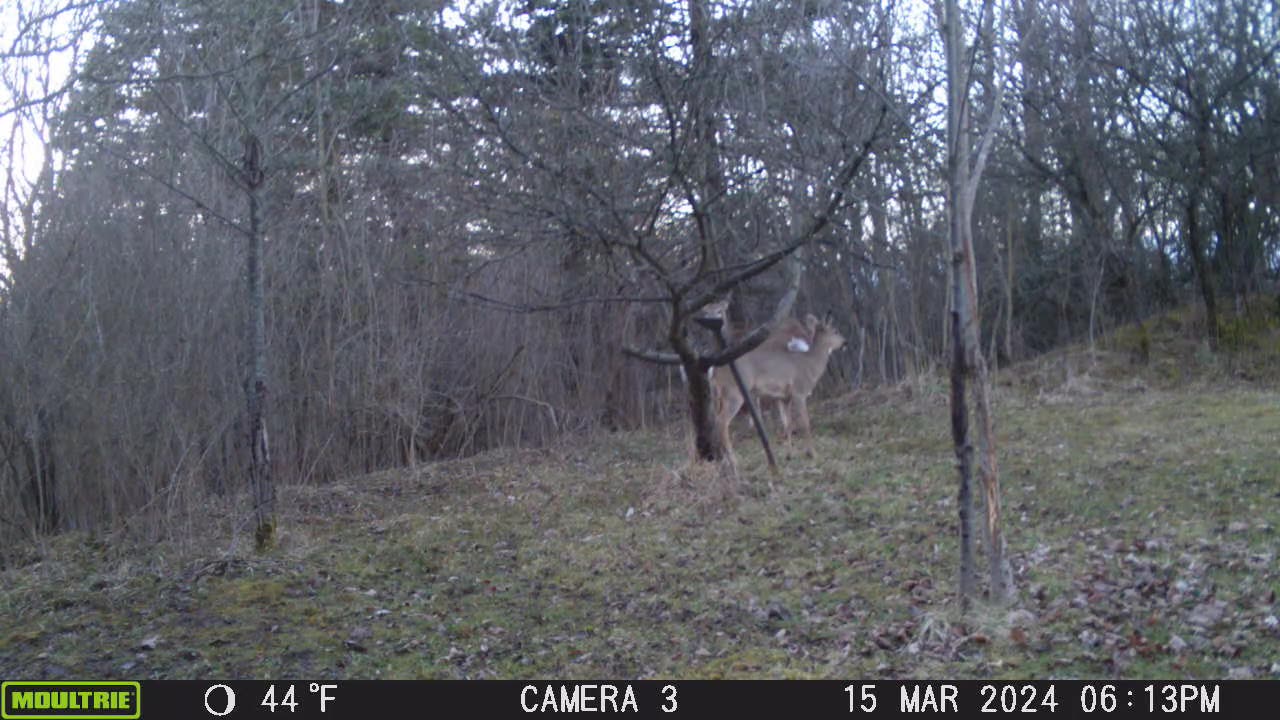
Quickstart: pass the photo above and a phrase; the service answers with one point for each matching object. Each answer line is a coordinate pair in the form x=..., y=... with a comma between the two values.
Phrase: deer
x=791, y=335
x=770, y=373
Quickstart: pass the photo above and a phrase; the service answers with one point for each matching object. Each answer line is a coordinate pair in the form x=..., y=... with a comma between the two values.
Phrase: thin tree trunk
x=964, y=464
x=958, y=161
x=264, y=492
x=1001, y=575
x=963, y=176
x=1093, y=305
x=42, y=486
x=712, y=183
x=1008, y=297
x=862, y=349
x=706, y=443
x=1196, y=244
x=1204, y=273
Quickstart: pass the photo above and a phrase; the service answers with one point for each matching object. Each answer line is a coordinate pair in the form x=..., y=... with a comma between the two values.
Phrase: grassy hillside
x=1142, y=502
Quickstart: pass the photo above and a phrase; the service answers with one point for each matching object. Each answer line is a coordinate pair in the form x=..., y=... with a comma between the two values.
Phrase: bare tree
x=648, y=175
x=964, y=173
x=1199, y=75
x=39, y=41
x=250, y=85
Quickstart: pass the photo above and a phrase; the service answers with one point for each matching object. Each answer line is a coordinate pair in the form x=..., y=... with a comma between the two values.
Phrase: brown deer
x=789, y=336
x=779, y=375
x=792, y=336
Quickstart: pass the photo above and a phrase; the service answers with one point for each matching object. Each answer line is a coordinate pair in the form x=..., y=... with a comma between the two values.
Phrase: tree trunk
x=41, y=490
x=1008, y=294
x=964, y=463
x=260, y=479
x=712, y=183
x=1001, y=575
x=1204, y=273
x=964, y=172
x=957, y=162
x=706, y=443
x=1196, y=241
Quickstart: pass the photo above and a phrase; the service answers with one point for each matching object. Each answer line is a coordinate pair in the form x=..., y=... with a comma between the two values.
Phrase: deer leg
x=784, y=416
x=802, y=413
x=730, y=403
x=760, y=401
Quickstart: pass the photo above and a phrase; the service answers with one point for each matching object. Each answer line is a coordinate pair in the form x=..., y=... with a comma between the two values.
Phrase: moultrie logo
x=83, y=700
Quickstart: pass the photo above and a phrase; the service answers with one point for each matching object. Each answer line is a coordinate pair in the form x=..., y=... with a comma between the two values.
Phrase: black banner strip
x=369, y=699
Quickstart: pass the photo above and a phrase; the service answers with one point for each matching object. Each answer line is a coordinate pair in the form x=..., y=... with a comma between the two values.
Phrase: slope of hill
x=1142, y=501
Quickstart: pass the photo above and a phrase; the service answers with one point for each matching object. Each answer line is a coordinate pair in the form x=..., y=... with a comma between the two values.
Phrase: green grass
x=1140, y=515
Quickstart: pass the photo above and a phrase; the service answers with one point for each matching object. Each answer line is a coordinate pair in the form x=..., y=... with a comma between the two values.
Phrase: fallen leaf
x=1208, y=614
x=1022, y=618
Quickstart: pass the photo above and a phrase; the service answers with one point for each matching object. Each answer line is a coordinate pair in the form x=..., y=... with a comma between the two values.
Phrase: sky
x=31, y=63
